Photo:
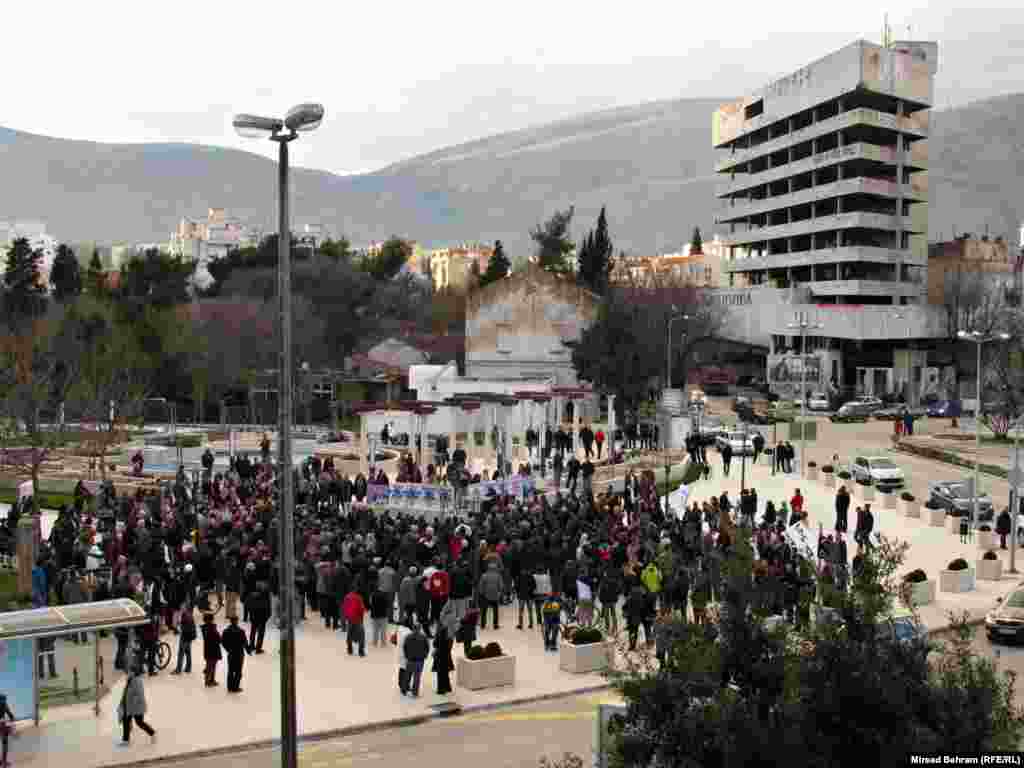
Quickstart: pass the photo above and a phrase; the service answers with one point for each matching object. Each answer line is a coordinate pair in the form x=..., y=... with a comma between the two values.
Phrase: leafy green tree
x=65, y=274
x=498, y=266
x=335, y=250
x=735, y=693
x=595, y=257
x=393, y=255
x=553, y=243
x=155, y=279
x=25, y=297
x=96, y=277
x=696, y=243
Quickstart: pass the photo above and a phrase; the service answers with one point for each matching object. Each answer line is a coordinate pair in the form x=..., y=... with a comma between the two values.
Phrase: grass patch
x=43, y=500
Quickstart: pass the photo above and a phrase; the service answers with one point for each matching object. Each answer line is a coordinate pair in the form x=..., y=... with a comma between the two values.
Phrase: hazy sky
x=403, y=78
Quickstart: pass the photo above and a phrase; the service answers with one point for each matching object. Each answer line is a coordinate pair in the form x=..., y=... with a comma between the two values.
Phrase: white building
x=213, y=238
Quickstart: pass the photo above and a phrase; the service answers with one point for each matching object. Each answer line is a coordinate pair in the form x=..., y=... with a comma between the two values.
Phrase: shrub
x=190, y=441
x=885, y=491
x=475, y=653
x=862, y=481
x=586, y=636
x=907, y=496
x=844, y=475
x=916, y=576
x=812, y=464
x=958, y=565
x=828, y=469
x=492, y=651
x=990, y=555
x=985, y=528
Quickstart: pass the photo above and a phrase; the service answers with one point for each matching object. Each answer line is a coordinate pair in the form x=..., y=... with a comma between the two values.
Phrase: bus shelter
x=22, y=631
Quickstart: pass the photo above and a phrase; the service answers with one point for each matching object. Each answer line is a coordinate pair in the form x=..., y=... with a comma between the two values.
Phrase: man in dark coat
x=235, y=644
x=259, y=615
x=211, y=650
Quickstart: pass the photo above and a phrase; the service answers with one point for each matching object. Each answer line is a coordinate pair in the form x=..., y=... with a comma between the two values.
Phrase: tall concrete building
x=826, y=201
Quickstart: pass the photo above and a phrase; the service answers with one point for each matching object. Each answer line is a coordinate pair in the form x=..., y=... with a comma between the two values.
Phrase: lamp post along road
x=804, y=326
x=979, y=339
x=305, y=117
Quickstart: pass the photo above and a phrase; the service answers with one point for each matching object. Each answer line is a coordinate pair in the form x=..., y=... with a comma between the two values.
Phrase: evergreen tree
x=696, y=243
x=595, y=258
x=25, y=297
x=65, y=275
x=96, y=276
x=498, y=265
x=553, y=242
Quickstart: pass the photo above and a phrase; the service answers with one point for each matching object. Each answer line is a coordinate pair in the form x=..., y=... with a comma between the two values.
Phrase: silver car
x=741, y=444
x=879, y=471
x=956, y=496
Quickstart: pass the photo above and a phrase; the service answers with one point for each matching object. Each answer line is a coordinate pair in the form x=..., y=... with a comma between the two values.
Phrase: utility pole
x=804, y=326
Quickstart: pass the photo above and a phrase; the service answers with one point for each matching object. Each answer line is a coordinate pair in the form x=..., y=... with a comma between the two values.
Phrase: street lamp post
x=300, y=119
x=909, y=399
x=668, y=385
x=979, y=340
x=804, y=326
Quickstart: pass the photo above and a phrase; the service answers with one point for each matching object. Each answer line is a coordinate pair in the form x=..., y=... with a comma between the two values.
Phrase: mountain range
x=652, y=165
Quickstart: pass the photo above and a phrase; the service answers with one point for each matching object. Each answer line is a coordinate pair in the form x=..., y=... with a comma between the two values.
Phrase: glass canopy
x=65, y=619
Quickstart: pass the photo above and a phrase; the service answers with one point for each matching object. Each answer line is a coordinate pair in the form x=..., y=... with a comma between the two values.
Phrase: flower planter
x=888, y=501
x=830, y=479
x=936, y=517
x=592, y=657
x=812, y=473
x=956, y=581
x=990, y=570
x=485, y=673
x=910, y=508
x=921, y=593
x=953, y=524
x=986, y=540
x=866, y=492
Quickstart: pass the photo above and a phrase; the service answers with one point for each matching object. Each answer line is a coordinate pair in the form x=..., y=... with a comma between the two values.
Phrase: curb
x=947, y=457
x=353, y=730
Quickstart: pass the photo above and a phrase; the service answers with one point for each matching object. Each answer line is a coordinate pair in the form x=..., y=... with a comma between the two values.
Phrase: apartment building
x=452, y=267
x=826, y=201
x=967, y=263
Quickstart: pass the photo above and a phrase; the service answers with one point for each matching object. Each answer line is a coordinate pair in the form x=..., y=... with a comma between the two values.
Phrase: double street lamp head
x=299, y=119
x=981, y=338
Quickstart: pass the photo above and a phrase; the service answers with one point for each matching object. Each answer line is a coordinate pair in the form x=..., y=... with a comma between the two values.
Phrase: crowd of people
x=574, y=556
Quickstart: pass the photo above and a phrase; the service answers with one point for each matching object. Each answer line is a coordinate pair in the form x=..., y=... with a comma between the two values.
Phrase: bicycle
x=163, y=655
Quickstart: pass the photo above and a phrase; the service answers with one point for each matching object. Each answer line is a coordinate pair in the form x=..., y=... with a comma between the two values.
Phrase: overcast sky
x=403, y=78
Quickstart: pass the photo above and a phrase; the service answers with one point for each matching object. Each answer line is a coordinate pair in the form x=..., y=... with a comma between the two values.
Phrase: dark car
x=945, y=409
x=895, y=412
x=1006, y=620
x=956, y=497
x=851, y=412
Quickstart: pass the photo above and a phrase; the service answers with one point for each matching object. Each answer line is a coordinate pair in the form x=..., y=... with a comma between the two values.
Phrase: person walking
x=259, y=614
x=380, y=610
x=133, y=707
x=1003, y=527
x=726, y=458
x=415, y=649
x=526, y=594
x=842, y=509
x=758, y=446
x=407, y=596
x=185, y=639
x=443, y=663
x=354, y=611
x=211, y=650
x=234, y=642
x=608, y=592
x=6, y=726
x=490, y=589
x=552, y=611
x=557, y=465
x=599, y=442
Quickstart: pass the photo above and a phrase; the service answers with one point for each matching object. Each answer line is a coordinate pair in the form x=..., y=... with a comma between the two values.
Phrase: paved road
x=515, y=737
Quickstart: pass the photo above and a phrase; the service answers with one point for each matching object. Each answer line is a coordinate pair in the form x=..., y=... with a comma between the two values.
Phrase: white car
x=870, y=401
x=818, y=401
x=740, y=445
x=879, y=471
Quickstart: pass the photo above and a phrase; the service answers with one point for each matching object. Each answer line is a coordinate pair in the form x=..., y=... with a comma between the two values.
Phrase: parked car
x=897, y=626
x=711, y=428
x=1006, y=620
x=944, y=409
x=819, y=401
x=850, y=412
x=741, y=444
x=869, y=401
x=895, y=412
x=956, y=496
x=879, y=471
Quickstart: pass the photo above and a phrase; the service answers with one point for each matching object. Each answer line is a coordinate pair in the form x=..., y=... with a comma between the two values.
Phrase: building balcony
x=864, y=288
x=855, y=220
x=914, y=159
x=915, y=126
x=862, y=254
x=739, y=210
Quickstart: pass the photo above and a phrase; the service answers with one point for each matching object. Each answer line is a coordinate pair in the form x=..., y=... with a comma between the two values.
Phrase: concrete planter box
x=812, y=473
x=865, y=492
x=910, y=508
x=921, y=593
x=485, y=673
x=986, y=540
x=990, y=570
x=578, y=659
x=936, y=517
x=830, y=479
x=956, y=581
x=953, y=525
x=889, y=501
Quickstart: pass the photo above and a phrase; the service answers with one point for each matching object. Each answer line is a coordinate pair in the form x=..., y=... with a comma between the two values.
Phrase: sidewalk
x=335, y=691
x=930, y=548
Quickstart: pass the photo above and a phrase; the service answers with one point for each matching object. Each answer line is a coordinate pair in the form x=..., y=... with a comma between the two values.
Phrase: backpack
x=415, y=647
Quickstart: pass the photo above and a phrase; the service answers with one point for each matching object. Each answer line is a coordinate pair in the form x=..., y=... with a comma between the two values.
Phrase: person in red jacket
x=438, y=585
x=354, y=610
x=599, y=439
x=797, y=502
